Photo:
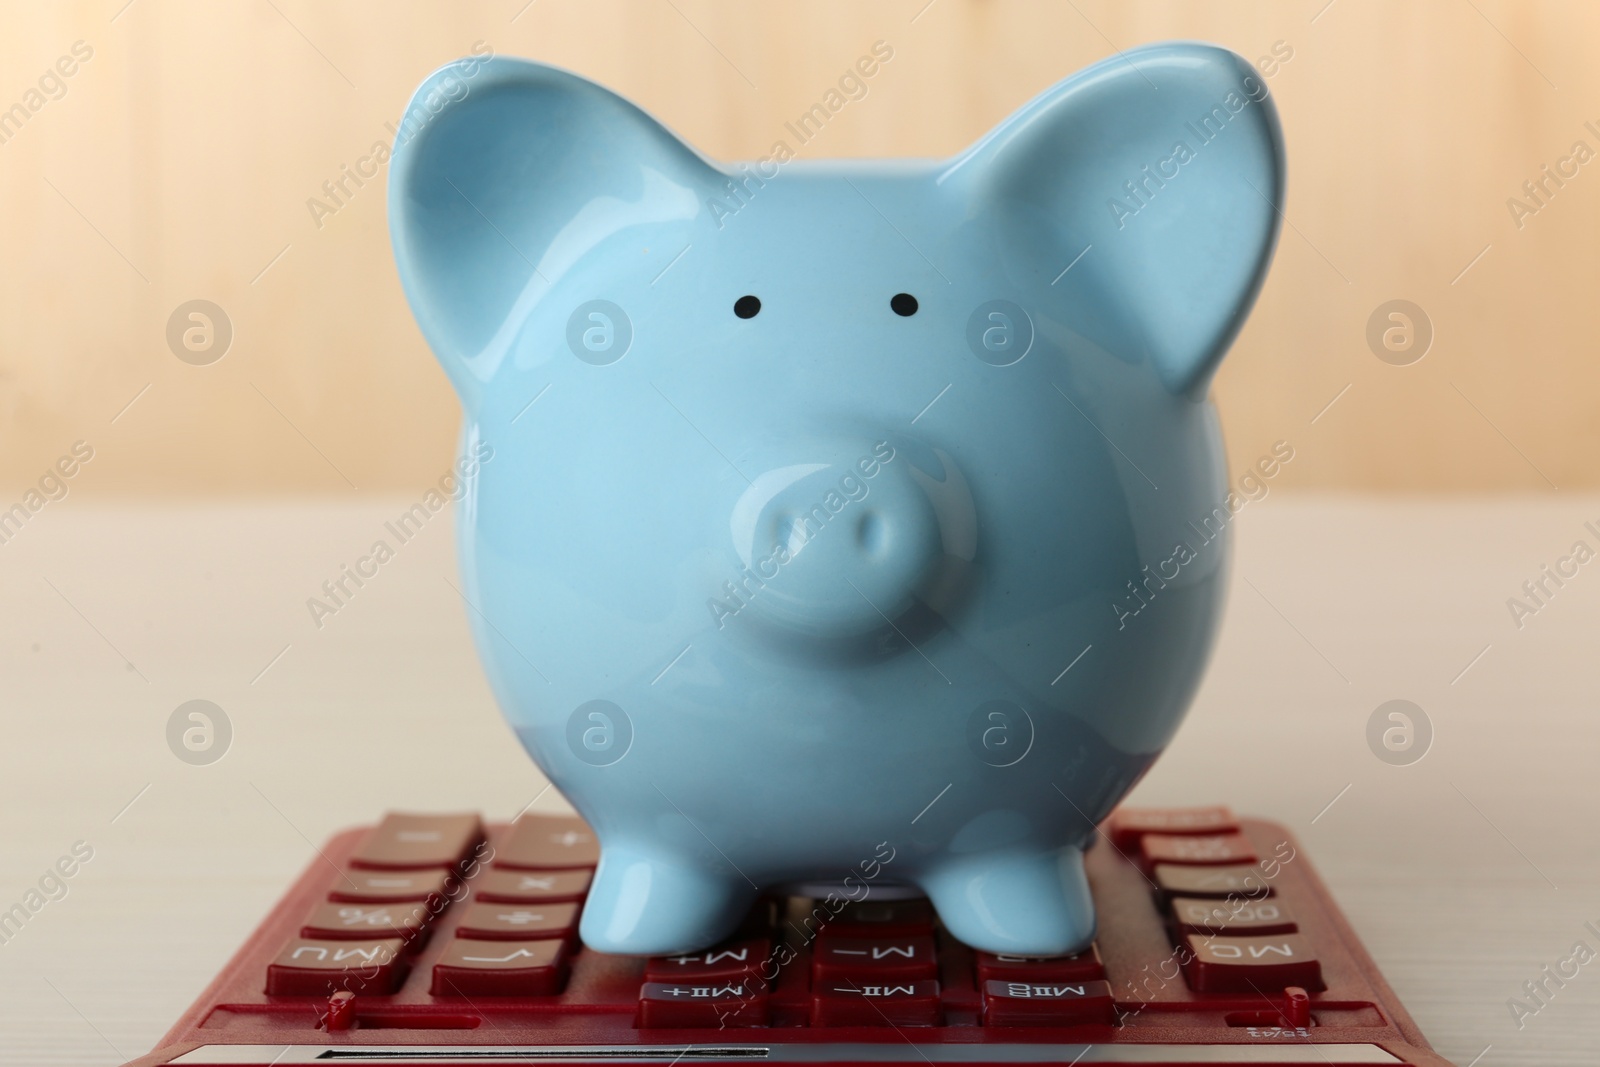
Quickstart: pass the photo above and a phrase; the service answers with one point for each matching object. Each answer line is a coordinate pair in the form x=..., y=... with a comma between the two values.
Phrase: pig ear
x=1174, y=261
x=505, y=174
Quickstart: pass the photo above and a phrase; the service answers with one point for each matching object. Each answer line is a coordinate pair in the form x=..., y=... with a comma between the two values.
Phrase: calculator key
x=516, y=922
x=382, y=887
x=736, y=959
x=1080, y=966
x=402, y=841
x=317, y=968
x=1195, y=915
x=548, y=842
x=853, y=1003
x=1251, y=964
x=531, y=887
x=1220, y=881
x=354, y=922
x=1130, y=824
x=878, y=918
x=881, y=960
x=702, y=1005
x=1046, y=1003
x=470, y=968
x=1210, y=848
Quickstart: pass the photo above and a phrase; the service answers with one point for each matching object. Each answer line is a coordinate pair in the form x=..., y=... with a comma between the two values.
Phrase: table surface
x=1466, y=872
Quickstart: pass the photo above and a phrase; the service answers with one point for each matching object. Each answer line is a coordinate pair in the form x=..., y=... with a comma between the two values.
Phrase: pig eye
x=903, y=304
x=746, y=307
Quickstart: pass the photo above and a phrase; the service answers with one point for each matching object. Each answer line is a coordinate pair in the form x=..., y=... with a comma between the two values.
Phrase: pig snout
x=842, y=546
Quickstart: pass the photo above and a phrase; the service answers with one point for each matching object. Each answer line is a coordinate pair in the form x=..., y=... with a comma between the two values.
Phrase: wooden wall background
x=178, y=161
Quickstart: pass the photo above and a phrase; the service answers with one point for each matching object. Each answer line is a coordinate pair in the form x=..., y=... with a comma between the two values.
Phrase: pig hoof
x=642, y=905
x=1026, y=905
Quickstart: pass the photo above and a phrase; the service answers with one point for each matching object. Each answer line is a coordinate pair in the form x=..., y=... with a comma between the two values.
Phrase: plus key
x=511, y=922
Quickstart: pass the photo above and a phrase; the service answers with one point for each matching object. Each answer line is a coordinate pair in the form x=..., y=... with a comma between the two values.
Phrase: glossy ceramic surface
x=834, y=595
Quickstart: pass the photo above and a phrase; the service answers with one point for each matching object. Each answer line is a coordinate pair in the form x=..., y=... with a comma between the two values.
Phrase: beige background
x=179, y=161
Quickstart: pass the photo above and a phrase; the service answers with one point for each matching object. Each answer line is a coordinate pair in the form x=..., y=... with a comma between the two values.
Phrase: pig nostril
x=870, y=533
x=789, y=532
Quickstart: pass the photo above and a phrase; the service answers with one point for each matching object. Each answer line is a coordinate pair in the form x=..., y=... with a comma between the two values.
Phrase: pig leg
x=1025, y=904
x=646, y=903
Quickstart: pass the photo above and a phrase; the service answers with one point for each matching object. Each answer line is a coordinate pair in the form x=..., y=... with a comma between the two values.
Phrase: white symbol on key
x=499, y=959
x=375, y=917
x=368, y=954
x=569, y=838
x=530, y=882
x=518, y=918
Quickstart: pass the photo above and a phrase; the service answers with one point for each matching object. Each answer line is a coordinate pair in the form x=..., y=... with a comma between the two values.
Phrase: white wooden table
x=1465, y=872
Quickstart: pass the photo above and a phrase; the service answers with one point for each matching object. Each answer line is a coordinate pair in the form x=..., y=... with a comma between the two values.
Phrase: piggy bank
x=847, y=528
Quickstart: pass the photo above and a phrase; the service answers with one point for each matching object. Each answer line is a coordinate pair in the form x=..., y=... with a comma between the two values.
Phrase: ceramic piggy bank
x=853, y=528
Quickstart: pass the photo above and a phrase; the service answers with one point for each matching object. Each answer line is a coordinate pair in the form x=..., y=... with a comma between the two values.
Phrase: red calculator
x=438, y=940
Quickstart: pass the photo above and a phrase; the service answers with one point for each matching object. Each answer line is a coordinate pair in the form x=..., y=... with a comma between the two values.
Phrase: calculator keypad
x=1233, y=931
x=503, y=913
x=475, y=950
x=513, y=941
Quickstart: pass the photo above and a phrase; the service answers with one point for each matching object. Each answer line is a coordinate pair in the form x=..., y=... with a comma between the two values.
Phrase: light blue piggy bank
x=854, y=526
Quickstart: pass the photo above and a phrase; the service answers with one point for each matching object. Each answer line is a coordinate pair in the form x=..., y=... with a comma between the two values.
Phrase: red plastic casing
x=1154, y=1004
